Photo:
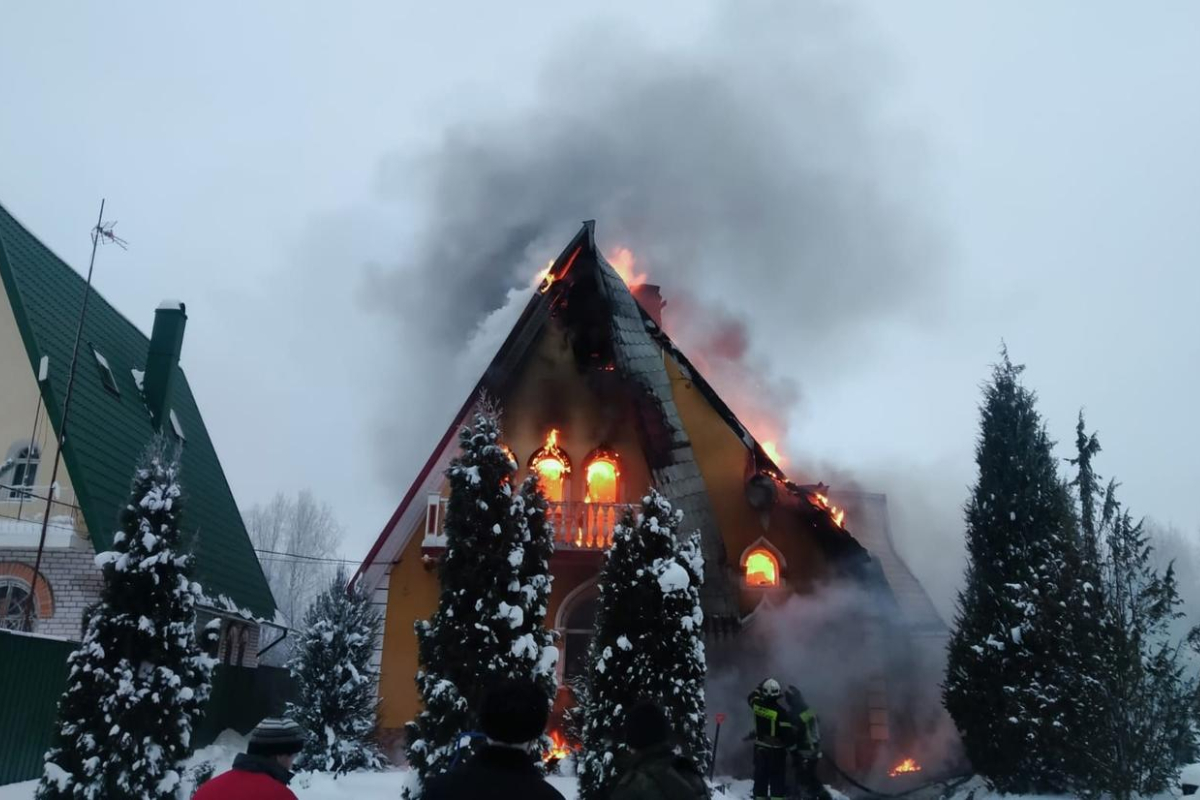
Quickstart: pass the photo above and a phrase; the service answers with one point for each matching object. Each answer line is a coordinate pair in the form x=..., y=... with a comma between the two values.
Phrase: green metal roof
x=108, y=431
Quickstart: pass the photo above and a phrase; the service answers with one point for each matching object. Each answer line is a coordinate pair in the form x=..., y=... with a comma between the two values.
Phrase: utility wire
x=301, y=557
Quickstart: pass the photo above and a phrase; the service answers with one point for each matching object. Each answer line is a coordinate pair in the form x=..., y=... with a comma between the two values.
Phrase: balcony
x=577, y=526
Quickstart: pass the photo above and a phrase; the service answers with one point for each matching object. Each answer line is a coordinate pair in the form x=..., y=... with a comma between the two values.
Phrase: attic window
x=762, y=568
x=106, y=373
x=602, y=474
x=175, y=426
x=552, y=466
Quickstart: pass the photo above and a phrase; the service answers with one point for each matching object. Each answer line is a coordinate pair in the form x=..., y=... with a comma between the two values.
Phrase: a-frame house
x=601, y=402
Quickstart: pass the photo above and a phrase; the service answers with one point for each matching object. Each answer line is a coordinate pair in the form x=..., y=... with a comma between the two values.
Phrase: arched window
x=602, y=475
x=577, y=636
x=552, y=466
x=761, y=565
x=14, y=597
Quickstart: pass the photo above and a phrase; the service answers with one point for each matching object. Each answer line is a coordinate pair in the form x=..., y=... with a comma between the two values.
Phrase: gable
x=108, y=430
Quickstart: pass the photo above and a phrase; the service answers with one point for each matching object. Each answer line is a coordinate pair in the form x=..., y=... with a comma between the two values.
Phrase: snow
x=171, y=305
x=673, y=578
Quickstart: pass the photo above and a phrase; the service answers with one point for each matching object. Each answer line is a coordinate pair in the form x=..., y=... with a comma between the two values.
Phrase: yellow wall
x=19, y=401
x=722, y=458
x=550, y=392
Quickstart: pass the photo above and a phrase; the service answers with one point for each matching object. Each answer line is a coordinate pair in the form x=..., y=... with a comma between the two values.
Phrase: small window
x=106, y=373
x=175, y=426
x=24, y=465
x=14, y=596
x=762, y=568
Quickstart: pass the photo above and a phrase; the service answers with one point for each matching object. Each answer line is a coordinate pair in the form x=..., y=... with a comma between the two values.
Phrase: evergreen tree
x=139, y=680
x=336, y=681
x=1145, y=727
x=1012, y=675
x=480, y=633
x=648, y=644
x=535, y=655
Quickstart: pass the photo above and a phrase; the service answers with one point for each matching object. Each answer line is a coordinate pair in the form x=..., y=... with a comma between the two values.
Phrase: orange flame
x=546, y=277
x=559, y=749
x=772, y=451
x=623, y=262
x=904, y=767
x=551, y=464
x=838, y=515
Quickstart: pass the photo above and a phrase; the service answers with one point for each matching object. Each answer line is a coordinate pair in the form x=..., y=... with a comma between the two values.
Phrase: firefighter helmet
x=770, y=688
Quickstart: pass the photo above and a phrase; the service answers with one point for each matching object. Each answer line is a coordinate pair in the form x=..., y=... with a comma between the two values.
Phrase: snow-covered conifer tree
x=336, y=682
x=139, y=680
x=1012, y=675
x=535, y=655
x=478, y=636
x=648, y=644
x=1146, y=723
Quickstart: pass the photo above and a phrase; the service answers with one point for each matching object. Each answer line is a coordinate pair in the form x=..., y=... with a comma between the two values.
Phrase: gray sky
x=1004, y=170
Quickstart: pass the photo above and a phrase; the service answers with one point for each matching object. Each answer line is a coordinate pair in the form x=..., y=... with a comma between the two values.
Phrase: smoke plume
x=750, y=170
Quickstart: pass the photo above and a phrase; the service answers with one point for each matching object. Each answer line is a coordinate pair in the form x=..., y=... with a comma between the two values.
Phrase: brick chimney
x=649, y=296
x=166, y=343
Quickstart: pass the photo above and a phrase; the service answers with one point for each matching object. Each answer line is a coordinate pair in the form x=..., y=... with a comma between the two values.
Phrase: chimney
x=649, y=296
x=166, y=342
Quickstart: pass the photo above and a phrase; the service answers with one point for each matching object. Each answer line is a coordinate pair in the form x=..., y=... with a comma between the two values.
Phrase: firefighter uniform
x=806, y=750
x=774, y=734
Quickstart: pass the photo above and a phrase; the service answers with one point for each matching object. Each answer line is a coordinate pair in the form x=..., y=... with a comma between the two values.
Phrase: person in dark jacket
x=774, y=733
x=513, y=717
x=655, y=772
x=264, y=770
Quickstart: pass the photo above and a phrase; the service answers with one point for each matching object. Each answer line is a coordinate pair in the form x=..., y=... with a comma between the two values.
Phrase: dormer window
x=602, y=474
x=106, y=373
x=552, y=466
x=24, y=465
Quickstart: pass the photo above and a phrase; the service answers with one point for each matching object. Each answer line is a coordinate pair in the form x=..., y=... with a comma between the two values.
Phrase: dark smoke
x=752, y=169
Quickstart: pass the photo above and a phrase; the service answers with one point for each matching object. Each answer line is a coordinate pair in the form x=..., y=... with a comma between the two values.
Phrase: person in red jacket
x=264, y=770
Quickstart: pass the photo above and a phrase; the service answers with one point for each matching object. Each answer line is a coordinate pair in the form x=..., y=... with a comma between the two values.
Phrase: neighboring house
x=127, y=388
x=602, y=404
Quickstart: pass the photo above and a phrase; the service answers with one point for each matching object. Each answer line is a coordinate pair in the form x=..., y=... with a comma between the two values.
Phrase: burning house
x=602, y=404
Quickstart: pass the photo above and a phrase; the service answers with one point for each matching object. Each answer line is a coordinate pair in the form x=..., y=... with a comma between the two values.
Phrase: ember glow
x=761, y=569
x=837, y=514
x=904, y=767
x=559, y=749
x=623, y=262
x=602, y=477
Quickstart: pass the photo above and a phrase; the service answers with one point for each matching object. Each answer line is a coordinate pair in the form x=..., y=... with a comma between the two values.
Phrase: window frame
x=7, y=584
x=107, y=378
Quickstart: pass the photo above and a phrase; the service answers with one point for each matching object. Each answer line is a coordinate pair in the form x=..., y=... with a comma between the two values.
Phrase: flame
x=623, y=262
x=559, y=749
x=551, y=464
x=837, y=514
x=772, y=451
x=904, y=767
x=602, y=477
x=761, y=569
x=546, y=277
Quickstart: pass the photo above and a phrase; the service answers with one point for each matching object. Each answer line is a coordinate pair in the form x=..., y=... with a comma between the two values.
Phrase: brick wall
x=73, y=580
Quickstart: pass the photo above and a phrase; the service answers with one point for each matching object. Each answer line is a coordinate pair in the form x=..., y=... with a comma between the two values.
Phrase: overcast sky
x=1027, y=172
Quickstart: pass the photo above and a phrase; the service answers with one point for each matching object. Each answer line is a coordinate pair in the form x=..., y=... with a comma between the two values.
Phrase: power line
x=302, y=557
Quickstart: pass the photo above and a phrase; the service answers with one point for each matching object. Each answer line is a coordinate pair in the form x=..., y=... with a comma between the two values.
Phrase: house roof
x=638, y=346
x=109, y=432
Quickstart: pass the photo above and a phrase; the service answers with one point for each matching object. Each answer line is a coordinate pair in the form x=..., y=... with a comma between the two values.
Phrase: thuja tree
x=494, y=579
x=140, y=679
x=336, y=681
x=648, y=643
x=1012, y=674
x=1146, y=725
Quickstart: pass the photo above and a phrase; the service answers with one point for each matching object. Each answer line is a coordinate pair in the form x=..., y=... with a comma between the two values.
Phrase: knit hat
x=514, y=712
x=276, y=737
x=645, y=726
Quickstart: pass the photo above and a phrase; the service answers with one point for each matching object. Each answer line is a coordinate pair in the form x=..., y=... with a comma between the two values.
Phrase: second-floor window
x=551, y=464
x=21, y=474
x=602, y=474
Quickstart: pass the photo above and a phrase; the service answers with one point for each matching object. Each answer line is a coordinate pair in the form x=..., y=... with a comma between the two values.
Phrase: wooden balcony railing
x=577, y=525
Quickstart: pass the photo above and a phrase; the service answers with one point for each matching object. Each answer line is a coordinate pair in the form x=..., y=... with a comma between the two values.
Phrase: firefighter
x=806, y=745
x=774, y=734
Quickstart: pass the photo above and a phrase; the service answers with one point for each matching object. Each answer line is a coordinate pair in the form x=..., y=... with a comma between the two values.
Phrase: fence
x=33, y=674
x=33, y=671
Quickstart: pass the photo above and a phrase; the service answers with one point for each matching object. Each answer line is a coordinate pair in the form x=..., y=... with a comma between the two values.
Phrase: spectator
x=513, y=719
x=655, y=772
x=264, y=770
